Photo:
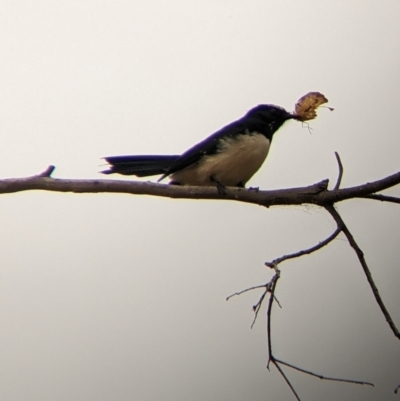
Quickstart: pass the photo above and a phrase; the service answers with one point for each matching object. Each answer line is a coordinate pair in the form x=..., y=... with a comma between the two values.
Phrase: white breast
x=236, y=161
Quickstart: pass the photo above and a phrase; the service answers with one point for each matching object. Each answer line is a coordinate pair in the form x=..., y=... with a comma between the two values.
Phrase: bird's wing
x=208, y=146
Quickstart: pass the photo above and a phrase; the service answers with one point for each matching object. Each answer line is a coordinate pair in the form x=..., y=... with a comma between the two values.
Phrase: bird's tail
x=141, y=166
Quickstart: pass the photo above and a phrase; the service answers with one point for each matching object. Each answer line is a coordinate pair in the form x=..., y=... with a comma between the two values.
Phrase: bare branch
x=340, y=223
x=270, y=288
x=330, y=197
x=316, y=194
x=314, y=248
x=48, y=172
x=265, y=198
x=382, y=198
x=277, y=301
x=257, y=306
x=275, y=361
x=340, y=175
x=396, y=390
x=286, y=379
x=309, y=372
x=243, y=291
x=269, y=315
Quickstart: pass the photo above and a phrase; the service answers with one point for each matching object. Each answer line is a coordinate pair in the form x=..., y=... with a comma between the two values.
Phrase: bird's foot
x=221, y=189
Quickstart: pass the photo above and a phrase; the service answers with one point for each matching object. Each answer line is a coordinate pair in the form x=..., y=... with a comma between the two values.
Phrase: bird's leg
x=221, y=189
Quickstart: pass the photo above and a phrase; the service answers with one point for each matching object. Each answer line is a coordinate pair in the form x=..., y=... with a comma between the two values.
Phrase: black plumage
x=141, y=166
x=229, y=157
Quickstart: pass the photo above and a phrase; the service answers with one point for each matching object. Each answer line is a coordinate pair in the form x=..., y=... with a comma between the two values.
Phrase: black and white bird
x=229, y=157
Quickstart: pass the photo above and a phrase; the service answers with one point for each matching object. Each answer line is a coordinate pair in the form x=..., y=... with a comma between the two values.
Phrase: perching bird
x=229, y=157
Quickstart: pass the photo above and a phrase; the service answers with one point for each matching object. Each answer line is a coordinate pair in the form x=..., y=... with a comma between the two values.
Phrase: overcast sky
x=119, y=297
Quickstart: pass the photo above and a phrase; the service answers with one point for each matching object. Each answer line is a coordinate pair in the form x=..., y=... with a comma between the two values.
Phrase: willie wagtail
x=229, y=157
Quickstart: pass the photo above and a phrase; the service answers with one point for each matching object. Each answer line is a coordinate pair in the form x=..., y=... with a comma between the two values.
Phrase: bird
x=227, y=158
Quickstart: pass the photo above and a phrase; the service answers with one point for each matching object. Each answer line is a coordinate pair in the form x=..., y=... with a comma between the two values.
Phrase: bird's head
x=271, y=116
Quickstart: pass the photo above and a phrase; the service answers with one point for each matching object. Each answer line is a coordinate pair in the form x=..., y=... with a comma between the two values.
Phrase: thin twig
x=274, y=282
x=382, y=198
x=271, y=358
x=340, y=223
x=330, y=197
x=286, y=379
x=243, y=291
x=270, y=288
x=277, y=301
x=314, y=248
x=323, y=377
x=396, y=390
x=340, y=175
x=47, y=173
x=257, y=306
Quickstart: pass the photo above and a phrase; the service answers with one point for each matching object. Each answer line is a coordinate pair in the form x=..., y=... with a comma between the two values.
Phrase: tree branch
x=369, y=188
x=340, y=223
x=269, y=316
x=382, y=198
x=266, y=198
x=340, y=175
x=48, y=172
x=270, y=288
x=286, y=379
x=335, y=379
x=246, y=290
x=314, y=248
x=316, y=194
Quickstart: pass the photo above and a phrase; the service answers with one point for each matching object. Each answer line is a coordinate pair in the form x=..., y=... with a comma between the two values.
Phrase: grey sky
x=121, y=297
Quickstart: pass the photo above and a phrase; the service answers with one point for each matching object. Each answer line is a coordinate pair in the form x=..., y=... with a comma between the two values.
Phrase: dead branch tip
x=48, y=172
x=340, y=175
